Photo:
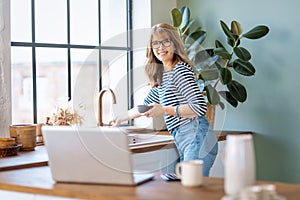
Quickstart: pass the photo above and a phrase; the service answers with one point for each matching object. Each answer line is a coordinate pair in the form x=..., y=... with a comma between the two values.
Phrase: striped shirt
x=179, y=86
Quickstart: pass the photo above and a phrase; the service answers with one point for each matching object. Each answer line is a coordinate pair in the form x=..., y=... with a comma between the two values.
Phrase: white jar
x=239, y=163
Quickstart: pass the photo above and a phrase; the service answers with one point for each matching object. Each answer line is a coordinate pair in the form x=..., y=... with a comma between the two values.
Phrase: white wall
x=272, y=109
x=5, y=73
x=146, y=13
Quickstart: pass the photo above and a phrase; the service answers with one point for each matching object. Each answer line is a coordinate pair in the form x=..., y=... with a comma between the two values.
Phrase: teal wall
x=272, y=109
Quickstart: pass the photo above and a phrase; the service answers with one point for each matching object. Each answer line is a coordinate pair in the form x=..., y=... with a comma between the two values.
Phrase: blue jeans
x=197, y=141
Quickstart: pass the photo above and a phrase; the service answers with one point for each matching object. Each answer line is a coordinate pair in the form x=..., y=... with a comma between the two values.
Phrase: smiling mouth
x=163, y=53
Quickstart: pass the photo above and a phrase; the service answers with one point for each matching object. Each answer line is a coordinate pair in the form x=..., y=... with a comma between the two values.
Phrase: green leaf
x=208, y=63
x=229, y=65
x=226, y=30
x=176, y=17
x=195, y=39
x=234, y=43
x=218, y=44
x=218, y=65
x=203, y=55
x=229, y=98
x=223, y=53
x=257, y=32
x=244, y=68
x=212, y=95
x=237, y=90
x=221, y=104
x=226, y=76
x=182, y=9
x=185, y=13
x=210, y=73
x=236, y=28
x=242, y=53
x=189, y=28
x=190, y=39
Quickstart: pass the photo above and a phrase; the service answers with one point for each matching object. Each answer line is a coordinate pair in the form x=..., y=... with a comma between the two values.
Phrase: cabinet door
x=156, y=161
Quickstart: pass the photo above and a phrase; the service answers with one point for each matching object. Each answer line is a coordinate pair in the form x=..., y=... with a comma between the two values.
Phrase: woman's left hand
x=156, y=111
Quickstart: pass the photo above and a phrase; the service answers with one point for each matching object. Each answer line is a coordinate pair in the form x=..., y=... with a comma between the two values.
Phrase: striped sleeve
x=152, y=96
x=185, y=81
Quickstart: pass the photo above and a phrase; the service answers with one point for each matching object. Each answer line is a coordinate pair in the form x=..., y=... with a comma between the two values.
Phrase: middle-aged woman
x=176, y=95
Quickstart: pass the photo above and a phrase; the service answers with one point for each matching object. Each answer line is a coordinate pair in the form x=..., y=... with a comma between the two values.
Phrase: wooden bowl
x=10, y=151
x=7, y=142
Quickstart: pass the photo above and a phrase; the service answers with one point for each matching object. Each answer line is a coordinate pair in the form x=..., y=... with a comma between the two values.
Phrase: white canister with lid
x=239, y=163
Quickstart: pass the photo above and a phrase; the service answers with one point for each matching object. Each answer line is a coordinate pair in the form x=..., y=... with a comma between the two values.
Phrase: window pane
x=84, y=22
x=114, y=76
x=85, y=84
x=51, y=80
x=21, y=29
x=51, y=21
x=113, y=23
x=22, y=102
x=85, y=63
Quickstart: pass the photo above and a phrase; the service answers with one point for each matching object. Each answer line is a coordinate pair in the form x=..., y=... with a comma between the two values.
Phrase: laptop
x=96, y=155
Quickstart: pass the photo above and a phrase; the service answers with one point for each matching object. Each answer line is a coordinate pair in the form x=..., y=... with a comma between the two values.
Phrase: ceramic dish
x=143, y=108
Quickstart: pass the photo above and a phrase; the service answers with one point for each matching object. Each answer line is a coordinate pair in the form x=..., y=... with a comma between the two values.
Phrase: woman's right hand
x=156, y=111
x=132, y=114
x=115, y=122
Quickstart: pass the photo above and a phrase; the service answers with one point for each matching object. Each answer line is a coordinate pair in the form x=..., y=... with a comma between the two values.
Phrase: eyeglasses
x=165, y=43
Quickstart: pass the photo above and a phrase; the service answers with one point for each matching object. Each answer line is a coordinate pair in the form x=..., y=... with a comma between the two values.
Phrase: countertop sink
x=141, y=139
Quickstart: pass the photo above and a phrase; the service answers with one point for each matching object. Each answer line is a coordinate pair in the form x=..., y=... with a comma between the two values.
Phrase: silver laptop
x=91, y=155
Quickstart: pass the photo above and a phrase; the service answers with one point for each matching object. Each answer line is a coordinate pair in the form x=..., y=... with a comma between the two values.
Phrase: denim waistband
x=174, y=130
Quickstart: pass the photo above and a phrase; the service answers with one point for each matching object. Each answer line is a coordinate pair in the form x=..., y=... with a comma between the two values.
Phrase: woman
x=175, y=94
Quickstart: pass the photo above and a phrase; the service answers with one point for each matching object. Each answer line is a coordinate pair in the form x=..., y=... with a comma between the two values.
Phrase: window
x=67, y=49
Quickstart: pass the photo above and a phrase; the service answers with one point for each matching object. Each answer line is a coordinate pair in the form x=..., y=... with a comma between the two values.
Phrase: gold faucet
x=100, y=122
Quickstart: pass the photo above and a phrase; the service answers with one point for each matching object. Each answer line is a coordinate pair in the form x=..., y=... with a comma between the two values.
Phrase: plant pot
x=210, y=114
x=25, y=134
x=39, y=134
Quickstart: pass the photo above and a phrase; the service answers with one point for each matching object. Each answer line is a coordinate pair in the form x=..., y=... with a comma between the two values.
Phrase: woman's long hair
x=154, y=67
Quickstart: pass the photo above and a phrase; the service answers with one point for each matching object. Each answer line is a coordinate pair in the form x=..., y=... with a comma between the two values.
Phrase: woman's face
x=163, y=48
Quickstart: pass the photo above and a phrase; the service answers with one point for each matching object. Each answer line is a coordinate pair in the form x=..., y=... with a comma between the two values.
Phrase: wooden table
x=38, y=180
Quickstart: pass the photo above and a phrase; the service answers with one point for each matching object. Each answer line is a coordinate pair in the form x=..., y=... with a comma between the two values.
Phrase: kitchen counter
x=221, y=134
x=39, y=157
x=37, y=180
x=28, y=172
x=25, y=159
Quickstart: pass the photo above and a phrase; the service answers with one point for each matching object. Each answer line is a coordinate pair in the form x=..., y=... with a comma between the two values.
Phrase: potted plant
x=214, y=66
x=64, y=117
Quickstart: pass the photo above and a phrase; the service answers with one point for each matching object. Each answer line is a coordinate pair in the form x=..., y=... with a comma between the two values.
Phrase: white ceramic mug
x=190, y=172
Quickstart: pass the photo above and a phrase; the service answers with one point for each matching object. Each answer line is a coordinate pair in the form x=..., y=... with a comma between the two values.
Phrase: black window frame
x=70, y=46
